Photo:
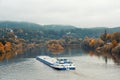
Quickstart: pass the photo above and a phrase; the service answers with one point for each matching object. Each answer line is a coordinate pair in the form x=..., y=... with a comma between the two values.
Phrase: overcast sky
x=82, y=13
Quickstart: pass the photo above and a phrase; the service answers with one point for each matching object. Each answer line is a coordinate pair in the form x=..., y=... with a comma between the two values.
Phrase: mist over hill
x=23, y=25
x=59, y=27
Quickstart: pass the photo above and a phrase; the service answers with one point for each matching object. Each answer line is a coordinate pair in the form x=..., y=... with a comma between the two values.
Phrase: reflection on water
x=106, y=57
x=89, y=66
x=68, y=52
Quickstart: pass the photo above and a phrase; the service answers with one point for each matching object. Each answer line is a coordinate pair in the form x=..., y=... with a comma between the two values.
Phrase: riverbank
x=107, y=44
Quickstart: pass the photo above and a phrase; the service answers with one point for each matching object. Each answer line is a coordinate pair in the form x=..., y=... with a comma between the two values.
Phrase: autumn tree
x=116, y=50
x=8, y=47
x=2, y=52
x=8, y=50
x=106, y=37
x=115, y=36
x=115, y=43
x=91, y=43
x=55, y=45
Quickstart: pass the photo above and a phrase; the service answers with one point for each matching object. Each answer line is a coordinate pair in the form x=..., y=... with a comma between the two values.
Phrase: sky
x=80, y=13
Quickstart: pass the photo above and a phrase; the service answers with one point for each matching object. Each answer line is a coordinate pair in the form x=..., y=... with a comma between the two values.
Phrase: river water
x=26, y=67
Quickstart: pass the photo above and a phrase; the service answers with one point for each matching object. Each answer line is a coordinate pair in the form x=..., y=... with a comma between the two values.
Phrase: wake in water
x=77, y=73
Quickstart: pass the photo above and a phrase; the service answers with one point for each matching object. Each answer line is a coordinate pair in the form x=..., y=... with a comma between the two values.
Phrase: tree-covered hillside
x=34, y=32
x=23, y=25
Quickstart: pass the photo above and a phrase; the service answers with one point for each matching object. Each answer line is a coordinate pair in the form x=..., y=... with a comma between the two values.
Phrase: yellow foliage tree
x=108, y=36
x=2, y=52
x=55, y=45
x=116, y=36
x=8, y=46
x=114, y=43
x=92, y=42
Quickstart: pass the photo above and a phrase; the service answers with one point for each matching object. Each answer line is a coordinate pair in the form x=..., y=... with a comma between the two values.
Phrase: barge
x=57, y=63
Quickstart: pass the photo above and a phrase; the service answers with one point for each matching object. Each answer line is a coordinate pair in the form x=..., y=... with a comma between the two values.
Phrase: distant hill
x=59, y=27
x=116, y=29
x=32, y=31
x=34, y=26
x=24, y=25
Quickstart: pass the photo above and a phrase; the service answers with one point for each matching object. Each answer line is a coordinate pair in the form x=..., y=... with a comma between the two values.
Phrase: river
x=26, y=67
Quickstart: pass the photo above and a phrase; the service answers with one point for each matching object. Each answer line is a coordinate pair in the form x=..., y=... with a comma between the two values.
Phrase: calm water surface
x=26, y=67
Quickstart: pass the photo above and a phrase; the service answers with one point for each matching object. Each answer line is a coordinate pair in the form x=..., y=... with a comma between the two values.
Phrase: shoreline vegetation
x=107, y=45
x=11, y=46
x=17, y=40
